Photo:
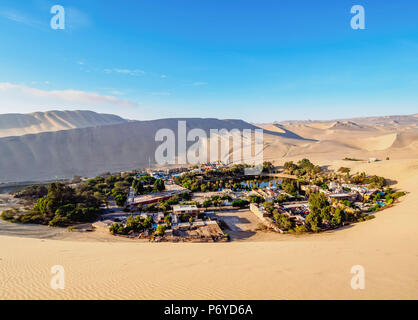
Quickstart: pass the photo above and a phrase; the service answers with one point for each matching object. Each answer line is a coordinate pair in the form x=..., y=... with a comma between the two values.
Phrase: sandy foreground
x=265, y=266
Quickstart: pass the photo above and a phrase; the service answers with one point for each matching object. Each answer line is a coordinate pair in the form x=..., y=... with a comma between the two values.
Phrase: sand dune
x=270, y=266
x=131, y=145
x=281, y=131
x=376, y=143
x=91, y=151
x=263, y=266
x=20, y=124
x=345, y=125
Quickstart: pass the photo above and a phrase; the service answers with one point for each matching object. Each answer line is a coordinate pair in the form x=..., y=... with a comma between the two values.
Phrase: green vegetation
x=165, y=205
x=31, y=192
x=9, y=215
x=240, y=203
x=269, y=206
x=120, y=199
x=281, y=198
x=303, y=167
x=213, y=180
x=226, y=197
x=300, y=229
x=338, y=217
x=365, y=217
x=290, y=186
x=160, y=230
x=319, y=211
x=255, y=198
x=398, y=194
x=62, y=206
x=168, y=220
x=147, y=184
x=268, y=167
x=344, y=170
x=371, y=181
x=159, y=185
x=282, y=220
x=132, y=224
x=207, y=203
x=324, y=186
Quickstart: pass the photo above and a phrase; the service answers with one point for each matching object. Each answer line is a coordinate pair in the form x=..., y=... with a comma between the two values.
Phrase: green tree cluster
x=132, y=224
x=62, y=206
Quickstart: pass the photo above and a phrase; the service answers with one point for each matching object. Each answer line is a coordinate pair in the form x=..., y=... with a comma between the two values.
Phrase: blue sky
x=259, y=61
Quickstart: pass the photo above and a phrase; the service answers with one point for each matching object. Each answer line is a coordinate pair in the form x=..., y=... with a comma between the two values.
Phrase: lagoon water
x=263, y=184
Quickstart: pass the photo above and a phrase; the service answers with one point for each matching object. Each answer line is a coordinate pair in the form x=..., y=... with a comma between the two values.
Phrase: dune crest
x=13, y=124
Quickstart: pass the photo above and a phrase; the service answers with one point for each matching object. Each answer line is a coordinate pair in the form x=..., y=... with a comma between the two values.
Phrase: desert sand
x=15, y=124
x=265, y=266
x=260, y=266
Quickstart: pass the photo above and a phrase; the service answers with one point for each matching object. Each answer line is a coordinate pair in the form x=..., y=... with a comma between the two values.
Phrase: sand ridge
x=20, y=124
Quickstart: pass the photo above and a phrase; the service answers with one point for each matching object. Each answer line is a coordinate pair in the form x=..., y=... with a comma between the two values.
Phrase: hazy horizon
x=219, y=117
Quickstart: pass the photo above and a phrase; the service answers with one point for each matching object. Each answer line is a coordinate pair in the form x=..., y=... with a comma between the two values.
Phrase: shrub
x=9, y=215
x=59, y=221
x=207, y=203
x=160, y=230
x=226, y=197
x=398, y=194
x=301, y=229
x=281, y=198
x=240, y=203
x=283, y=220
x=344, y=170
x=117, y=228
x=255, y=198
x=120, y=199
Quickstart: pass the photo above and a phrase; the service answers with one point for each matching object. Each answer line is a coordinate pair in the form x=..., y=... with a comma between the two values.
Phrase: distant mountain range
x=62, y=144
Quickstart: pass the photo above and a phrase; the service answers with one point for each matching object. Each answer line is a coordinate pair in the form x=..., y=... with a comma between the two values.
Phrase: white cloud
x=134, y=72
x=200, y=83
x=21, y=98
x=74, y=19
x=163, y=76
x=19, y=17
x=117, y=93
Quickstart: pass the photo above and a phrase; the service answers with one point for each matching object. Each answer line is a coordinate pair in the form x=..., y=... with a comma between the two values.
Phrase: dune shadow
x=241, y=235
x=288, y=134
x=326, y=168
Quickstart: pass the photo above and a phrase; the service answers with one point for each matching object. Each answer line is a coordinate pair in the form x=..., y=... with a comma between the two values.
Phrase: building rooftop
x=184, y=207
